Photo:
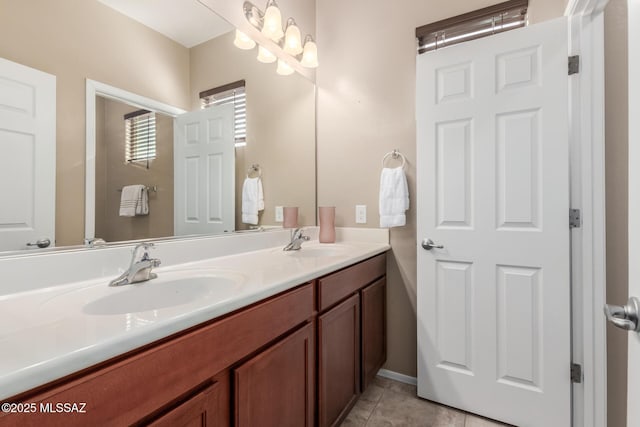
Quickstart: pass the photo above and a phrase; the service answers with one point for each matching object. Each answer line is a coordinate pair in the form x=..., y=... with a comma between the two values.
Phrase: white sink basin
x=170, y=289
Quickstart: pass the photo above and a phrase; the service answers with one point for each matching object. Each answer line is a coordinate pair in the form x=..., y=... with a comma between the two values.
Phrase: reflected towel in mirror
x=252, y=200
x=134, y=201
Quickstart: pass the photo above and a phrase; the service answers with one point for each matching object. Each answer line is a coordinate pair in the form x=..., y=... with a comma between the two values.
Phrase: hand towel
x=134, y=201
x=394, y=197
x=142, y=207
x=252, y=200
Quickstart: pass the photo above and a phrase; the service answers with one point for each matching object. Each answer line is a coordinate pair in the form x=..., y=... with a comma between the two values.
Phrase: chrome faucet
x=95, y=242
x=139, y=271
x=297, y=238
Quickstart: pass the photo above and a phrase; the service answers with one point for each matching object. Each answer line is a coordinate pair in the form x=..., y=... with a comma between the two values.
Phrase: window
x=140, y=140
x=473, y=25
x=232, y=93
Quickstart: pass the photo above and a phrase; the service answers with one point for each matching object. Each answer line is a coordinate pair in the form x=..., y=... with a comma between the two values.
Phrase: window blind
x=140, y=139
x=473, y=25
x=233, y=93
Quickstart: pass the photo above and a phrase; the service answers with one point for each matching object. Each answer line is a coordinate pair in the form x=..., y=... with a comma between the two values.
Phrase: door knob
x=428, y=244
x=42, y=243
x=625, y=317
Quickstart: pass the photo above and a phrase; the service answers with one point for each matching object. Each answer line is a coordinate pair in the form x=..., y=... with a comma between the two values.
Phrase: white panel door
x=493, y=188
x=204, y=162
x=28, y=159
x=633, y=374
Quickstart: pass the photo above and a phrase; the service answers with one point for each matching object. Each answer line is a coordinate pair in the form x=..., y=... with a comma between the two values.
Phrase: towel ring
x=254, y=169
x=395, y=154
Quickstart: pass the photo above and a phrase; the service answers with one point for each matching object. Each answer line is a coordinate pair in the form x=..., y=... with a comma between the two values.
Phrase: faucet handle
x=145, y=246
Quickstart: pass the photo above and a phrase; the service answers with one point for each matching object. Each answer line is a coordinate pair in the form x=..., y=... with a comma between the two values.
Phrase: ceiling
x=184, y=21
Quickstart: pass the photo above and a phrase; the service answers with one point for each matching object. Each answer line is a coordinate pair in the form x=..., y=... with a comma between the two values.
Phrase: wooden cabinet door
x=202, y=410
x=276, y=387
x=338, y=361
x=374, y=337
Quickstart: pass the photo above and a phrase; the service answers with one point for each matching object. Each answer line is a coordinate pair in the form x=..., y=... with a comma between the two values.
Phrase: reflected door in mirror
x=28, y=159
x=205, y=171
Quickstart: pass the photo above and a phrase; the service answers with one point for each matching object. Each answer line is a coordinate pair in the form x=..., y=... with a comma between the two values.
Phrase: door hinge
x=574, y=218
x=574, y=64
x=576, y=373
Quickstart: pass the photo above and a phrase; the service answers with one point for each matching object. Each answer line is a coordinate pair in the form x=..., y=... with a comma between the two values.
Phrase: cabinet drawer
x=130, y=389
x=337, y=286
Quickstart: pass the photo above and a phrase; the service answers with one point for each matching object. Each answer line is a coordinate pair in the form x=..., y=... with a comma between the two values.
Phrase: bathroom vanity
x=298, y=357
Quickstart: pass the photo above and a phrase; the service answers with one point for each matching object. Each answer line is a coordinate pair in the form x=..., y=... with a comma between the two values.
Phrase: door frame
x=94, y=88
x=587, y=187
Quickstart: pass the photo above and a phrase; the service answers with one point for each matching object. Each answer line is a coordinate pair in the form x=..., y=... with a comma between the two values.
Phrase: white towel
x=134, y=200
x=252, y=200
x=394, y=197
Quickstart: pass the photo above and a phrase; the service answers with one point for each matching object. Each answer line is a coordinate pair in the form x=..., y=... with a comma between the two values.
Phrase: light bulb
x=310, y=54
x=265, y=55
x=272, y=26
x=292, y=38
x=284, y=69
x=243, y=41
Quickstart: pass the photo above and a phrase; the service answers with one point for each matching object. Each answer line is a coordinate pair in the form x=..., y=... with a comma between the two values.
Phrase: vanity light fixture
x=292, y=38
x=269, y=23
x=265, y=56
x=272, y=22
x=284, y=69
x=310, y=53
x=243, y=41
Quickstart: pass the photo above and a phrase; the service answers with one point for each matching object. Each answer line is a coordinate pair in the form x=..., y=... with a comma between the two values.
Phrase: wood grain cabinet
x=351, y=336
x=338, y=361
x=299, y=359
x=205, y=409
x=276, y=387
x=374, y=339
x=139, y=387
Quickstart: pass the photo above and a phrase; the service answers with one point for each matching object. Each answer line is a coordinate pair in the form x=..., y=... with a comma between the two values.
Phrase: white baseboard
x=398, y=377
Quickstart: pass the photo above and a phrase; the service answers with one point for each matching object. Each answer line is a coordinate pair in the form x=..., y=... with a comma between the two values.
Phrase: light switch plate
x=279, y=214
x=361, y=214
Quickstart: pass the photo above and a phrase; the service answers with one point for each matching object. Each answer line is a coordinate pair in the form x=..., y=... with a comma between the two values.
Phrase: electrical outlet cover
x=361, y=214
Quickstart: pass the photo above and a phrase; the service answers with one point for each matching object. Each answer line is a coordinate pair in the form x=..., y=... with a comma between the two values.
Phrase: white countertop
x=46, y=333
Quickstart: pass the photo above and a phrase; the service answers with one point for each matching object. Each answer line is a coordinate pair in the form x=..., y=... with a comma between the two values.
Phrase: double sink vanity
x=233, y=331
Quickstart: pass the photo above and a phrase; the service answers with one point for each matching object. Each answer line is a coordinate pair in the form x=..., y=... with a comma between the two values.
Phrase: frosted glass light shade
x=272, y=26
x=243, y=41
x=265, y=55
x=292, y=39
x=310, y=54
x=284, y=69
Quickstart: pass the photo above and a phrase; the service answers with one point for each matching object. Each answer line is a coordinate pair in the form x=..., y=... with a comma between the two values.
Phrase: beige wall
x=366, y=96
x=112, y=173
x=66, y=38
x=616, y=153
x=280, y=125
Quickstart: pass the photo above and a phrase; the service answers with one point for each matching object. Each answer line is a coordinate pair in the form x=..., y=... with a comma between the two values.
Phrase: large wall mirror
x=113, y=59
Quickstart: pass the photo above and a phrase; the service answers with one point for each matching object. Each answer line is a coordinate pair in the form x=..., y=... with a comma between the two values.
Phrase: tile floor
x=390, y=403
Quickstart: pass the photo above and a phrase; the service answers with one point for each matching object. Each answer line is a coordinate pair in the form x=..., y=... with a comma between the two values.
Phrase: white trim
x=94, y=88
x=586, y=38
x=385, y=373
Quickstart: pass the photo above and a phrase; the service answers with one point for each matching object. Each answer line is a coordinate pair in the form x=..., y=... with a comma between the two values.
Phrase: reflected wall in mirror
x=75, y=41
x=113, y=172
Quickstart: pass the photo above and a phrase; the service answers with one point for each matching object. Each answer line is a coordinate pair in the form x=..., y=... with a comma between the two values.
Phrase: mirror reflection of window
x=140, y=136
x=232, y=93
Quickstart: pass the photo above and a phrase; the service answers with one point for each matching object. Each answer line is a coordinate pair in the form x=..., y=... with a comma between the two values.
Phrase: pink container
x=290, y=217
x=327, y=216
